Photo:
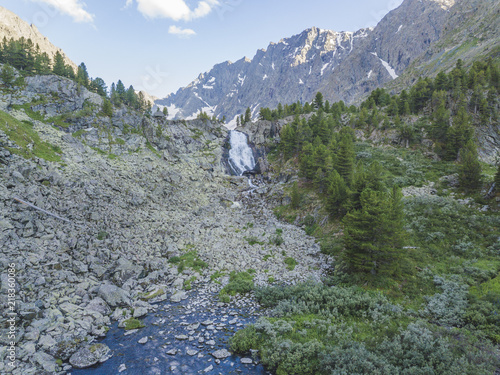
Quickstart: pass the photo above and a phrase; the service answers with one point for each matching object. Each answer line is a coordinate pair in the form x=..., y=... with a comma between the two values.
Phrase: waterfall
x=240, y=155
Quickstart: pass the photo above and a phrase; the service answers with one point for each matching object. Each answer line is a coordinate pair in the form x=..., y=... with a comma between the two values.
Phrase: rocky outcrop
x=12, y=26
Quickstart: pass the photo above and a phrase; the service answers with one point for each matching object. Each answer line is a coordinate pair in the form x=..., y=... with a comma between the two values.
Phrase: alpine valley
x=347, y=224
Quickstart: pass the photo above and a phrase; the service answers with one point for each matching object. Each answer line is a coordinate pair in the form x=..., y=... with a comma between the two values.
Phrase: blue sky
x=161, y=45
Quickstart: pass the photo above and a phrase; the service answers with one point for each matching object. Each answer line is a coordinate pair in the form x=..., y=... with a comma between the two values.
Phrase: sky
x=162, y=45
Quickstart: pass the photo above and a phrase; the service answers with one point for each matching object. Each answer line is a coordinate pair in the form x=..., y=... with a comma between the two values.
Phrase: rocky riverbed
x=128, y=213
x=187, y=337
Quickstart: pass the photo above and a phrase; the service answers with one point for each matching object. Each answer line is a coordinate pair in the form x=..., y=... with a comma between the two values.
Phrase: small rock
x=143, y=340
x=122, y=368
x=209, y=368
x=181, y=337
x=246, y=361
x=221, y=354
x=191, y=352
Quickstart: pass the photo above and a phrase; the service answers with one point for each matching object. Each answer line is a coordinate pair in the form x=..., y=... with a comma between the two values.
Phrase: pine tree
x=459, y=134
x=373, y=235
x=287, y=141
x=307, y=165
x=248, y=115
x=98, y=86
x=469, y=173
x=318, y=101
x=7, y=75
x=345, y=158
x=165, y=112
x=59, y=66
x=107, y=108
x=82, y=76
x=319, y=180
x=295, y=196
x=337, y=194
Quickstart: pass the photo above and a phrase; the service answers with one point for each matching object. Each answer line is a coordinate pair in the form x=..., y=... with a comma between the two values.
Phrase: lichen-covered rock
x=114, y=295
x=90, y=355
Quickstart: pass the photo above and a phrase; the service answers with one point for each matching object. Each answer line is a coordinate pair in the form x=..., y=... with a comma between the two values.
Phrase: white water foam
x=241, y=157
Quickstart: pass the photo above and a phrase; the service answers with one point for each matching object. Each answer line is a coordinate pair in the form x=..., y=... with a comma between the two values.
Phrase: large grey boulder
x=98, y=305
x=90, y=355
x=114, y=295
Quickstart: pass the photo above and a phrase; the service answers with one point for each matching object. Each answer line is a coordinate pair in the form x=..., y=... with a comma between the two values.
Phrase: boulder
x=114, y=295
x=90, y=355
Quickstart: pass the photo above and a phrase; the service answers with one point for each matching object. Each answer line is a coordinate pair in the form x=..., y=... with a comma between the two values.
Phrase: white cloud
x=73, y=8
x=183, y=33
x=174, y=9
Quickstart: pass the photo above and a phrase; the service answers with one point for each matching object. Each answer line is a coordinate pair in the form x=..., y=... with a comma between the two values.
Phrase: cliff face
x=12, y=26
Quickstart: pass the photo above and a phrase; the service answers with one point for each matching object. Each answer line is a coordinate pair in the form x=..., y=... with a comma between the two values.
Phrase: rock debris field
x=128, y=216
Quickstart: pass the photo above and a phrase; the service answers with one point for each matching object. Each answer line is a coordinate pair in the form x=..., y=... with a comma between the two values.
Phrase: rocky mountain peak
x=342, y=65
x=445, y=4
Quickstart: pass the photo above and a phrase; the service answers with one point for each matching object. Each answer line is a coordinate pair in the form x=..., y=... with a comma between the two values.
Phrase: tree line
x=25, y=56
x=446, y=109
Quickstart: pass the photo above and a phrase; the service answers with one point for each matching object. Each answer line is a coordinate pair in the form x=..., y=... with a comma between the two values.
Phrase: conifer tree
x=469, y=173
x=287, y=140
x=307, y=165
x=337, y=194
x=82, y=76
x=107, y=108
x=373, y=238
x=459, y=134
x=248, y=115
x=7, y=75
x=318, y=100
x=295, y=196
x=345, y=158
x=59, y=66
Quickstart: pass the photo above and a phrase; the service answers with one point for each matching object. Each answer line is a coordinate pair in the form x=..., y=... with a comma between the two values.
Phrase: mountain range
x=342, y=65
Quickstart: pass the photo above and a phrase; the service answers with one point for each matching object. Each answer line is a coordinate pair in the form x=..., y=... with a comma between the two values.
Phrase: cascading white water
x=240, y=155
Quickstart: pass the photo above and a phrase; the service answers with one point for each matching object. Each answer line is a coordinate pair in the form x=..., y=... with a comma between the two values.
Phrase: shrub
x=290, y=263
x=133, y=323
x=447, y=308
x=239, y=282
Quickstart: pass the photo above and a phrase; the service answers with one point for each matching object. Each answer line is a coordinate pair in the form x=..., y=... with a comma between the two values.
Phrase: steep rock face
x=399, y=38
x=343, y=66
x=471, y=32
x=12, y=26
x=287, y=71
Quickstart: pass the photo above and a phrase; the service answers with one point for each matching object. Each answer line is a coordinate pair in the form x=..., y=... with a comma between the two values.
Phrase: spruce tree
x=318, y=100
x=7, y=75
x=459, y=134
x=345, y=158
x=82, y=76
x=307, y=165
x=469, y=173
x=287, y=141
x=107, y=108
x=337, y=194
x=295, y=196
x=59, y=66
x=373, y=235
x=248, y=115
